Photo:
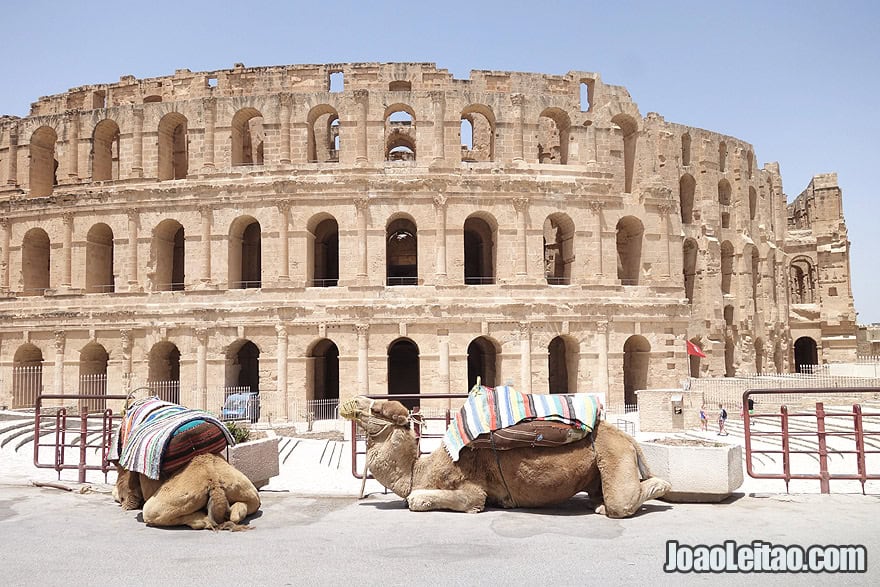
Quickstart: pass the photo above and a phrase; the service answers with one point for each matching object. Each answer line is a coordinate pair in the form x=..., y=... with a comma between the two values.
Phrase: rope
x=500, y=471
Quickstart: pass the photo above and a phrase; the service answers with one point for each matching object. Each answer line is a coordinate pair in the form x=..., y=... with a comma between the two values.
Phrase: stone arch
x=630, y=233
x=687, y=186
x=99, y=259
x=323, y=137
x=636, y=362
x=169, y=255
x=400, y=133
x=323, y=265
x=482, y=362
x=724, y=202
x=629, y=132
x=403, y=370
x=93, y=360
x=173, y=147
x=480, y=236
x=43, y=165
x=690, y=252
x=245, y=264
x=35, y=262
x=558, y=248
x=802, y=280
x=248, y=137
x=163, y=373
x=401, y=251
x=478, y=133
x=554, y=126
x=105, y=151
x=323, y=371
x=27, y=375
x=806, y=354
x=727, y=254
x=562, y=365
x=243, y=365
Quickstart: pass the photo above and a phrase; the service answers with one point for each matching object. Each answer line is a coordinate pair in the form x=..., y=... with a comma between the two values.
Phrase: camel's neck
x=392, y=460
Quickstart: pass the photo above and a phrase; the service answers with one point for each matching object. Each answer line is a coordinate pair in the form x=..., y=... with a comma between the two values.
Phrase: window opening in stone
x=324, y=362
x=163, y=377
x=93, y=359
x=27, y=376
x=326, y=254
x=99, y=259
x=173, y=158
x=211, y=82
x=630, y=233
x=724, y=202
x=99, y=99
x=400, y=136
x=169, y=255
x=806, y=355
x=686, y=149
x=245, y=254
x=481, y=362
x=729, y=348
x=686, y=188
x=43, y=164
x=248, y=137
x=636, y=360
x=400, y=86
x=333, y=132
x=561, y=366
x=629, y=133
x=722, y=157
x=689, y=255
x=403, y=370
x=105, y=151
x=401, y=253
x=477, y=134
x=553, y=132
x=35, y=251
x=728, y=316
x=726, y=266
x=337, y=82
x=585, y=97
x=323, y=134
x=558, y=249
x=479, y=252
x=694, y=360
x=802, y=276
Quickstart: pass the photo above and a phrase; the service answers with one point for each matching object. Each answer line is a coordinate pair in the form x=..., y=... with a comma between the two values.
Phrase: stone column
x=286, y=100
x=362, y=97
x=362, y=204
x=281, y=368
x=665, y=209
x=596, y=207
x=284, y=237
x=58, y=368
x=73, y=145
x=67, y=259
x=525, y=350
x=602, y=374
x=132, y=249
x=440, y=214
x=4, y=254
x=438, y=99
x=207, y=214
x=137, y=147
x=519, y=102
x=202, y=367
x=209, y=105
x=521, y=205
x=12, y=163
x=443, y=367
x=363, y=374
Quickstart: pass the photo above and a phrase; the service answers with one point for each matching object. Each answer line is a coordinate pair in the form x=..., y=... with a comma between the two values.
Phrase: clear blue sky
x=797, y=79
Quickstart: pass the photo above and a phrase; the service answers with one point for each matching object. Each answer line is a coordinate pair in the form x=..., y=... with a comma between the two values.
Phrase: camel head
x=375, y=416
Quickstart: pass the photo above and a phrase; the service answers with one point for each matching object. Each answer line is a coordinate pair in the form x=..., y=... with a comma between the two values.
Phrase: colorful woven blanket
x=488, y=409
x=149, y=425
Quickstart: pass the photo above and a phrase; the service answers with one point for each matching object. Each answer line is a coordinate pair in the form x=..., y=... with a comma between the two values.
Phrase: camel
x=606, y=464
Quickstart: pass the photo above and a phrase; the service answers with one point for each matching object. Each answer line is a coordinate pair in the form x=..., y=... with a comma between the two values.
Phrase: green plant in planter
x=239, y=432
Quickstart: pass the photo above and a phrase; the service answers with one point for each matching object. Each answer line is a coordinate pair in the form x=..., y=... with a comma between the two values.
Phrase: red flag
x=695, y=350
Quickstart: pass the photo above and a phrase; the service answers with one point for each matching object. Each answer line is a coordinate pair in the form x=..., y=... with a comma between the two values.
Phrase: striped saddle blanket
x=158, y=438
x=489, y=409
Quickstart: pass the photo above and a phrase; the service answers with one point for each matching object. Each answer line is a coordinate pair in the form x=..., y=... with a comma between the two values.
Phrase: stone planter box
x=698, y=471
x=257, y=459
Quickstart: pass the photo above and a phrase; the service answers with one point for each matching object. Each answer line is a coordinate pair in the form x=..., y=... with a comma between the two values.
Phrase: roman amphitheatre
x=311, y=232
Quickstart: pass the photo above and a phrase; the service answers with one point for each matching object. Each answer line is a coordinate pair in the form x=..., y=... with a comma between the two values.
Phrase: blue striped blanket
x=147, y=428
x=488, y=409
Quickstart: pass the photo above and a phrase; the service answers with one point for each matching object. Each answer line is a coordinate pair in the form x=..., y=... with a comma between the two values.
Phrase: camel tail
x=218, y=505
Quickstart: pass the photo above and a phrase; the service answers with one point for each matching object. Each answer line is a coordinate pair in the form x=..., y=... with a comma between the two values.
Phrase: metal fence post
x=823, y=448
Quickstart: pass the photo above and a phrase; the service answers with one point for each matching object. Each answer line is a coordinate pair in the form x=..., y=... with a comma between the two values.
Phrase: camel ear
x=394, y=411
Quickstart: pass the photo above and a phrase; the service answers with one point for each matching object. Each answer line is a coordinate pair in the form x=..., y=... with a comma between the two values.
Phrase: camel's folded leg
x=622, y=488
x=467, y=499
x=243, y=497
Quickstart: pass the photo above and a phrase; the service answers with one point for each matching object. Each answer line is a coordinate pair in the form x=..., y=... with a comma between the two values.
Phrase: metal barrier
x=75, y=436
x=786, y=433
x=357, y=436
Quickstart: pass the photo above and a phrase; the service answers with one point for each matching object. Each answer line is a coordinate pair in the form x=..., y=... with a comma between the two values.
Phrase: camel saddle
x=530, y=434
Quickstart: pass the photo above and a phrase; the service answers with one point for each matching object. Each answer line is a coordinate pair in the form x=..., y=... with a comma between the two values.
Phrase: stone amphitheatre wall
x=333, y=229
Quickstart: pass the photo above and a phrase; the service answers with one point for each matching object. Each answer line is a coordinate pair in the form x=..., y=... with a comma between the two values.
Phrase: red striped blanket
x=488, y=409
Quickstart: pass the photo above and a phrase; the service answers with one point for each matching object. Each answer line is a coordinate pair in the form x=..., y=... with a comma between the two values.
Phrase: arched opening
x=169, y=254
x=628, y=132
x=636, y=359
x=400, y=133
x=325, y=376
x=562, y=366
x=477, y=134
x=726, y=267
x=401, y=253
x=403, y=370
x=806, y=355
x=105, y=151
x=482, y=357
x=689, y=257
x=93, y=359
x=722, y=157
x=729, y=368
x=99, y=259
x=694, y=360
x=724, y=202
x=753, y=203
x=243, y=366
x=35, y=249
x=27, y=376
x=759, y=356
x=553, y=130
x=163, y=377
x=325, y=254
x=686, y=189
x=686, y=149
x=173, y=145
x=802, y=278
x=245, y=254
x=43, y=164
x=323, y=139
x=247, y=137
x=558, y=249
x=479, y=252
x=728, y=315
x=629, y=249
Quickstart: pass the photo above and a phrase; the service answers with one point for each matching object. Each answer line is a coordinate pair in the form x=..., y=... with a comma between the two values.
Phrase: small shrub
x=239, y=432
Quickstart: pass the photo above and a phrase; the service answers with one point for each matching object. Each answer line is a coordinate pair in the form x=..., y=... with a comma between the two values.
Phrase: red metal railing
x=74, y=435
x=785, y=434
